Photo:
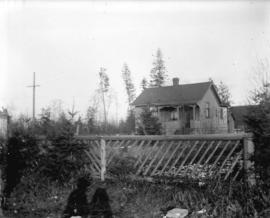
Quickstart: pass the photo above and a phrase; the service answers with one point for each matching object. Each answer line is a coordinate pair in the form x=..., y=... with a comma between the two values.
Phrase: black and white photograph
x=134, y=109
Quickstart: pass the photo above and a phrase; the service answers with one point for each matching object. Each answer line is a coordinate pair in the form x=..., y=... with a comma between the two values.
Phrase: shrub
x=64, y=156
x=258, y=121
x=148, y=124
x=22, y=155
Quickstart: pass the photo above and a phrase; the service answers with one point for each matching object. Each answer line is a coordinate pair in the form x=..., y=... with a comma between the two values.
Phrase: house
x=185, y=108
x=4, y=121
x=239, y=114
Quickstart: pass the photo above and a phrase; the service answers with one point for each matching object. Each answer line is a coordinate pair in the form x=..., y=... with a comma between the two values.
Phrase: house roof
x=239, y=113
x=174, y=95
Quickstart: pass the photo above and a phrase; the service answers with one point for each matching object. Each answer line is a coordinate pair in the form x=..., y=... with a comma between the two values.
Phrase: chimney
x=175, y=81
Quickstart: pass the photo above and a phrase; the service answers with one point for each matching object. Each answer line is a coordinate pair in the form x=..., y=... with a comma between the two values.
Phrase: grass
x=130, y=199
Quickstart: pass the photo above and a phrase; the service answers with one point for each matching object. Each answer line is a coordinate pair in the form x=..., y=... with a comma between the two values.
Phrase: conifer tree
x=224, y=94
x=158, y=73
x=144, y=84
x=148, y=124
x=130, y=89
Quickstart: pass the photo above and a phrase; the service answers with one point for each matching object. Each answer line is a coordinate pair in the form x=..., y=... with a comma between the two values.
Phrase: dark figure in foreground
x=77, y=201
x=100, y=206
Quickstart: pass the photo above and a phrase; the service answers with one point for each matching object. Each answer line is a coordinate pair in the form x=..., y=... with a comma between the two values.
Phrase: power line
x=34, y=93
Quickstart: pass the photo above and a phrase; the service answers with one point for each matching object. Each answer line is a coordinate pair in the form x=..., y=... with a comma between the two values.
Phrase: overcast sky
x=67, y=42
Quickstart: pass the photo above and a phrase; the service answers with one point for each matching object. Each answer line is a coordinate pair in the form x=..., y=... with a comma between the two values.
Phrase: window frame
x=207, y=110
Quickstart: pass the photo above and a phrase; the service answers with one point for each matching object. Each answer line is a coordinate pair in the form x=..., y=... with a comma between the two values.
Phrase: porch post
x=194, y=112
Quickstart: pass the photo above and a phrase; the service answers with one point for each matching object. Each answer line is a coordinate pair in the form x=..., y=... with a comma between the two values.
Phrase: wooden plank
x=206, y=151
x=110, y=158
x=92, y=160
x=103, y=159
x=142, y=154
x=228, y=156
x=147, y=156
x=95, y=147
x=213, y=152
x=109, y=148
x=229, y=136
x=170, y=158
x=182, y=164
x=161, y=159
x=249, y=165
x=237, y=173
x=134, y=143
x=95, y=150
x=234, y=163
x=155, y=157
x=195, y=156
x=219, y=156
x=137, y=149
x=185, y=146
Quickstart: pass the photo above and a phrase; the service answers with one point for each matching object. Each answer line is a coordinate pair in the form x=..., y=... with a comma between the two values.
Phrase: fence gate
x=197, y=157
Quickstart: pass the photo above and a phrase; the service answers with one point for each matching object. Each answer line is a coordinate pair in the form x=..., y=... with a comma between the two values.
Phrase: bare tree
x=103, y=89
x=56, y=107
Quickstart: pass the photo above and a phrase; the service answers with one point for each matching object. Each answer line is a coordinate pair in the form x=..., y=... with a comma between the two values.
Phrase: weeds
x=143, y=199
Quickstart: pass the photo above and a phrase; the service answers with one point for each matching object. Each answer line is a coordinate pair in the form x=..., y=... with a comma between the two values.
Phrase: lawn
x=130, y=199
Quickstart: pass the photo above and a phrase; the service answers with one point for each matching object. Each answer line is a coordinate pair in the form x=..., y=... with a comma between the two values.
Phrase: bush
x=258, y=121
x=148, y=124
x=21, y=155
x=122, y=167
x=64, y=156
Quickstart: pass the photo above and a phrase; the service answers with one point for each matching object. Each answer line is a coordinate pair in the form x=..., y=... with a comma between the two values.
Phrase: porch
x=181, y=119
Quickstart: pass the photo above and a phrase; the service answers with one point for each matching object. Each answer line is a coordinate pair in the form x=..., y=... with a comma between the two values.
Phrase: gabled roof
x=240, y=112
x=174, y=95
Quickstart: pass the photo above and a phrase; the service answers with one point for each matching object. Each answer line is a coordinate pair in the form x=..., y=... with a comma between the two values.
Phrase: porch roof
x=173, y=95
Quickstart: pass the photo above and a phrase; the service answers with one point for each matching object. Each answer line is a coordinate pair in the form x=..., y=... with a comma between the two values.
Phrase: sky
x=66, y=42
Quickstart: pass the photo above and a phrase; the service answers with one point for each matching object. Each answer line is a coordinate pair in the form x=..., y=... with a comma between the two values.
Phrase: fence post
x=248, y=163
x=103, y=159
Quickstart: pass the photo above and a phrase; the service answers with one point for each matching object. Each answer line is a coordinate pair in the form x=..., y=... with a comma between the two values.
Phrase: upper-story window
x=207, y=110
x=221, y=114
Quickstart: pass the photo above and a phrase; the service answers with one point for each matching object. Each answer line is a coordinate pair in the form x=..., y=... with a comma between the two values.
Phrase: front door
x=187, y=115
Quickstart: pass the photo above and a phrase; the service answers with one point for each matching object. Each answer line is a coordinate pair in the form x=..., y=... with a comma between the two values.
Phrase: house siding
x=214, y=123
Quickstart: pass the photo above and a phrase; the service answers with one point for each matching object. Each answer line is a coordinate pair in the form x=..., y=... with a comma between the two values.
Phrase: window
x=207, y=110
x=154, y=111
x=221, y=114
x=173, y=115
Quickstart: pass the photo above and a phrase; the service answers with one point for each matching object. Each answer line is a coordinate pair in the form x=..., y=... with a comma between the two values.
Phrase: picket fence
x=223, y=156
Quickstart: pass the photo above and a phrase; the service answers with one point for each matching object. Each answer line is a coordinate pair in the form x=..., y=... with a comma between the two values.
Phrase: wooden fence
x=183, y=156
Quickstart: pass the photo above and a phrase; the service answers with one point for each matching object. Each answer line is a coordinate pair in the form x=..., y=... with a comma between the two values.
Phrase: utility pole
x=34, y=93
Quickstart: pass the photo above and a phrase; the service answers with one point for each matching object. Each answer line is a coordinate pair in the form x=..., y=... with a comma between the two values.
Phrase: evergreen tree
x=158, y=73
x=148, y=124
x=144, y=84
x=224, y=94
x=64, y=156
x=130, y=89
x=91, y=119
x=258, y=120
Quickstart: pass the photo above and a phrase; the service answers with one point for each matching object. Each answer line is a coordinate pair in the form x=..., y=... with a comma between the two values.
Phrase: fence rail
x=200, y=157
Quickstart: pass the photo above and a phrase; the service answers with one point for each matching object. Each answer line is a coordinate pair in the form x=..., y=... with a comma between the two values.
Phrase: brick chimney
x=175, y=81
